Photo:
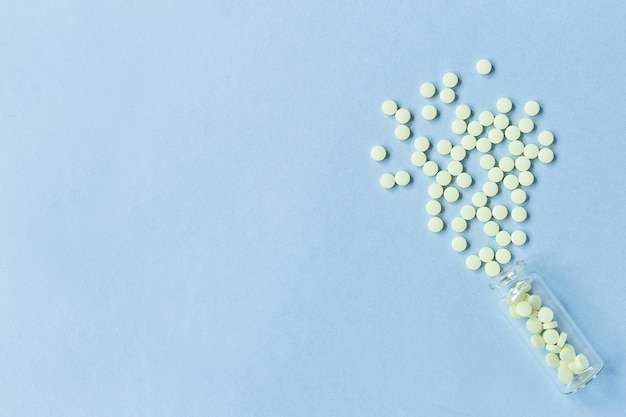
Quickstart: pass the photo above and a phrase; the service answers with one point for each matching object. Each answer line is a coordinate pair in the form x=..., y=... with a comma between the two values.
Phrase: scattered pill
x=492, y=268
x=506, y=163
x=531, y=108
x=526, y=125
x=533, y=325
x=458, y=153
x=552, y=360
x=499, y=212
x=435, y=224
x=516, y=147
x=511, y=182
x=389, y=107
x=526, y=178
x=524, y=309
x=518, y=237
x=464, y=180
x=447, y=95
x=458, y=126
x=468, y=212
x=387, y=180
x=378, y=153
x=418, y=158
x=545, y=138
x=537, y=341
x=545, y=314
x=487, y=161
x=459, y=224
x=468, y=142
x=455, y=167
x=512, y=132
x=403, y=115
x=421, y=143
x=402, y=132
x=490, y=188
x=474, y=128
x=444, y=146
x=495, y=136
x=503, y=256
x=433, y=207
x=444, y=178
x=459, y=244
x=491, y=228
x=483, y=145
x=519, y=214
x=427, y=90
x=483, y=67
x=522, y=163
x=451, y=194
x=483, y=214
x=501, y=121
x=429, y=112
x=546, y=155
x=473, y=262
x=504, y=105
x=450, y=79
x=479, y=199
x=402, y=178
x=518, y=196
x=551, y=336
x=486, y=254
x=486, y=118
x=531, y=151
x=495, y=174
x=463, y=111
x=430, y=168
x=435, y=190
x=561, y=342
x=503, y=238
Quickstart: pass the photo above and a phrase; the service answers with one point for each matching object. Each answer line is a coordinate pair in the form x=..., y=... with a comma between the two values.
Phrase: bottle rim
x=507, y=275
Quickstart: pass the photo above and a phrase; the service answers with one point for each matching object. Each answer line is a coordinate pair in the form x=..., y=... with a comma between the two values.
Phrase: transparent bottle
x=546, y=328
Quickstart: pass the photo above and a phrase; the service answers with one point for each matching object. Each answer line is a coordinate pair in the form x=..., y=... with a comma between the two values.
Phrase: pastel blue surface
x=192, y=225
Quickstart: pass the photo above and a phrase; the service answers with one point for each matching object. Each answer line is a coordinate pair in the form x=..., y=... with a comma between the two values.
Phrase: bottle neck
x=508, y=278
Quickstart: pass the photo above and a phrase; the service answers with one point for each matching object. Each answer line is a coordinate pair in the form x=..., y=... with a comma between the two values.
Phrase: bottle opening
x=506, y=276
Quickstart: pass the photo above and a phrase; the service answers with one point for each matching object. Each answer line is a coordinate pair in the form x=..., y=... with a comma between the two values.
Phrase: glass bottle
x=546, y=328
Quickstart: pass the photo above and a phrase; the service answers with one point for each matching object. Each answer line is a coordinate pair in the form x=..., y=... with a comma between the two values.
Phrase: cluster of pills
x=480, y=132
x=544, y=332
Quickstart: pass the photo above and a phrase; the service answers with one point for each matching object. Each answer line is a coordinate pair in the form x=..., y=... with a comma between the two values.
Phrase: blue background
x=192, y=225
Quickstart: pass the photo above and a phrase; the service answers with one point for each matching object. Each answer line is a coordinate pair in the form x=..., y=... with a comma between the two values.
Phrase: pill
x=531, y=108
x=483, y=67
x=486, y=254
x=506, y=163
x=518, y=196
x=435, y=190
x=512, y=312
x=433, y=207
x=545, y=315
x=503, y=256
x=473, y=262
x=562, y=339
x=468, y=212
x=483, y=145
x=516, y=148
x=444, y=146
x=492, y=268
x=459, y=224
x=487, y=161
x=418, y=158
x=435, y=224
x=421, y=143
x=520, y=296
x=565, y=375
x=499, y=212
x=458, y=126
x=525, y=125
x=403, y=115
x=430, y=168
x=503, y=238
x=526, y=178
x=550, y=325
x=535, y=301
x=479, y=199
x=511, y=182
x=474, y=128
x=519, y=214
x=501, y=121
x=450, y=79
x=495, y=174
x=427, y=90
x=582, y=361
x=402, y=178
x=552, y=348
x=451, y=194
x=378, y=153
x=495, y=136
x=512, y=132
x=429, y=112
x=533, y=325
x=537, y=341
x=483, y=214
x=504, y=105
x=464, y=180
x=524, y=309
x=444, y=178
x=389, y=107
x=491, y=228
x=518, y=237
x=468, y=142
x=387, y=180
x=459, y=244
x=485, y=118
x=567, y=354
x=455, y=167
x=522, y=163
x=490, y=188
x=545, y=138
x=551, y=336
x=531, y=151
x=546, y=155
x=552, y=360
x=402, y=132
x=447, y=95
x=458, y=153
x=463, y=111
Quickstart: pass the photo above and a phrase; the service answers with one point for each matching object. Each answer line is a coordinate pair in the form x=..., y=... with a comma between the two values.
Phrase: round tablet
x=378, y=153
x=552, y=348
x=474, y=128
x=464, y=180
x=444, y=146
x=512, y=132
x=458, y=126
x=444, y=178
x=450, y=79
x=490, y=188
x=534, y=326
x=582, y=361
x=526, y=125
x=518, y=196
x=504, y=105
x=503, y=256
x=518, y=237
x=435, y=190
x=429, y=112
x=483, y=214
x=546, y=155
x=459, y=244
x=435, y=224
x=418, y=158
x=387, y=180
x=495, y=174
x=421, y=143
x=455, y=167
x=565, y=375
x=468, y=212
x=463, y=111
x=487, y=161
x=550, y=325
x=479, y=199
x=468, y=142
x=511, y=182
x=491, y=228
x=473, y=262
x=546, y=315
x=567, y=354
x=519, y=214
x=531, y=151
x=403, y=115
x=433, y=207
x=503, y=238
x=459, y=224
x=501, y=121
x=531, y=108
x=483, y=67
x=486, y=254
x=447, y=95
x=499, y=212
x=537, y=341
x=458, y=153
x=524, y=309
x=430, y=168
x=506, y=164
x=552, y=360
x=485, y=118
x=545, y=138
x=483, y=145
x=560, y=343
x=402, y=132
x=522, y=163
x=389, y=107
x=495, y=136
x=427, y=90
x=516, y=147
x=451, y=194
x=535, y=301
x=402, y=178
x=492, y=268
